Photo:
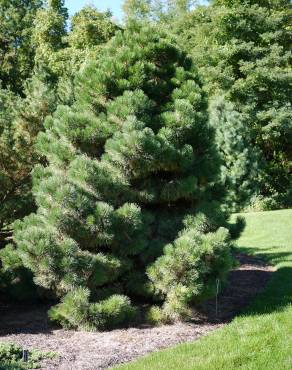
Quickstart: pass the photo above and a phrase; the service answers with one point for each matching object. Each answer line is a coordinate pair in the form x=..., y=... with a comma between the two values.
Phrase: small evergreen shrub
x=187, y=271
x=11, y=357
x=127, y=208
x=76, y=311
x=155, y=316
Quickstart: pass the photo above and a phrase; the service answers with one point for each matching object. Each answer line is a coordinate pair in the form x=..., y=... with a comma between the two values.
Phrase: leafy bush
x=260, y=203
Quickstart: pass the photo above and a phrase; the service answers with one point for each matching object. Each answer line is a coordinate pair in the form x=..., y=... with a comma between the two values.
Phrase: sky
x=114, y=5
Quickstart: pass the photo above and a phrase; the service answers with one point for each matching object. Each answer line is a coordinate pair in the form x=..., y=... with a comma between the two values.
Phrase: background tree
x=90, y=31
x=132, y=165
x=8, y=102
x=49, y=36
x=20, y=122
x=61, y=53
x=243, y=48
x=22, y=118
x=137, y=9
x=156, y=10
x=16, y=49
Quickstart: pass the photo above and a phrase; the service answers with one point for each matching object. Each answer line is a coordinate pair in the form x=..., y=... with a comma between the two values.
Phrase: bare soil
x=77, y=350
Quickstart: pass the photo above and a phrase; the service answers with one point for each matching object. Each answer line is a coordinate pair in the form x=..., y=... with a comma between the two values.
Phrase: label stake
x=217, y=292
x=25, y=355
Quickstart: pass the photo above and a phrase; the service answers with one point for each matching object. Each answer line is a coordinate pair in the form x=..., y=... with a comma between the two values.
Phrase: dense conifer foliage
x=131, y=166
x=241, y=165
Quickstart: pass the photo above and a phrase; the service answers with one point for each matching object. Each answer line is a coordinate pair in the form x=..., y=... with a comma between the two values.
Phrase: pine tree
x=131, y=168
x=241, y=168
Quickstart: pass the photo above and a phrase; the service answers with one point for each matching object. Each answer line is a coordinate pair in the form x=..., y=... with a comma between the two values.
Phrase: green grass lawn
x=260, y=339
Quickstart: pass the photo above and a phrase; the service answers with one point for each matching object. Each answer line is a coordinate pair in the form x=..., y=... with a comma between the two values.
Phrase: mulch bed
x=29, y=327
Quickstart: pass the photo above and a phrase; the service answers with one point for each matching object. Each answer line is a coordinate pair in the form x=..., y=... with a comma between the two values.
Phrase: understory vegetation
x=11, y=357
x=125, y=148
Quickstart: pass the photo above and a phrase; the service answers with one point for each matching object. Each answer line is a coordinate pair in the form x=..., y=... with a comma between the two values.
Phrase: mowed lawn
x=259, y=339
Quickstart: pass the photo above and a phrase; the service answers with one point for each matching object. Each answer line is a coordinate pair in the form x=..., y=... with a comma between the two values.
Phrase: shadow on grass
x=268, y=256
x=278, y=293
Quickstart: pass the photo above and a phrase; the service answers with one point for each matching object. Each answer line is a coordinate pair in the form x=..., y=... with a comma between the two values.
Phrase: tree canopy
x=54, y=62
x=243, y=49
x=16, y=49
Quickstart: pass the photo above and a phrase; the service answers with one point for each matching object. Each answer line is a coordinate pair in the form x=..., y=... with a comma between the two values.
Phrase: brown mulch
x=28, y=326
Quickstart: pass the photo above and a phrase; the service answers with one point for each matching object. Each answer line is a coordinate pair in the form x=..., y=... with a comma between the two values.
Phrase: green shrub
x=11, y=357
x=276, y=201
x=76, y=311
x=112, y=312
x=154, y=316
x=187, y=271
